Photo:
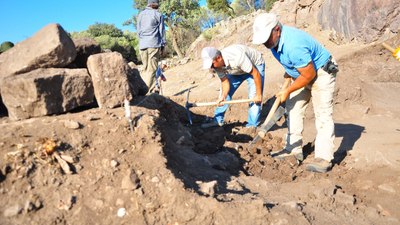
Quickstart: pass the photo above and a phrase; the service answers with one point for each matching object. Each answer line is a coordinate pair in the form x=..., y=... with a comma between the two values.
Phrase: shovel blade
x=277, y=116
x=280, y=111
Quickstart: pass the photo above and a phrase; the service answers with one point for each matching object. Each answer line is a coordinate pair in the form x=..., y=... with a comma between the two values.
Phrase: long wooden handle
x=274, y=107
x=199, y=104
x=388, y=47
x=272, y=111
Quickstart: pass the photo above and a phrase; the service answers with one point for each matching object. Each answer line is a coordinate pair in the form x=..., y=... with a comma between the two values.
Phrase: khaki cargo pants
x=150, y=58
x=321, y=90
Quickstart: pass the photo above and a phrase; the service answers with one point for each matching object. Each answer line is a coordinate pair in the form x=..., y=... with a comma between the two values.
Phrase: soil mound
x=370, y=78
x=167, y=172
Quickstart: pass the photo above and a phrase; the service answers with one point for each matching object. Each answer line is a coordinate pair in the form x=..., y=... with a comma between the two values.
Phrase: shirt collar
x=225, y=60
x=281, y=40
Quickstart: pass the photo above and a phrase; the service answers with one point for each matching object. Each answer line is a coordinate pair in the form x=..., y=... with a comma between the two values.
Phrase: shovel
x=274, y=115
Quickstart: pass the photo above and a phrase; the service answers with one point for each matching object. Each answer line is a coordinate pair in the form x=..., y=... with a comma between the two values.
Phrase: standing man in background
x=151, y=32
x=313, y=72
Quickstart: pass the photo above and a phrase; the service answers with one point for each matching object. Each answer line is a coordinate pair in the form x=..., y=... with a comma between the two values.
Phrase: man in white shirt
x=235, y=64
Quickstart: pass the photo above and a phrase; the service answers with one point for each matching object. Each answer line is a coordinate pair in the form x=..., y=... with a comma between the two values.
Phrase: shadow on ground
x=195, y=155
x=350, y=133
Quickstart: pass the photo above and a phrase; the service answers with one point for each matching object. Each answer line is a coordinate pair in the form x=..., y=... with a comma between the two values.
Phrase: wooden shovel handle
x=274, y=107
x=388, y=47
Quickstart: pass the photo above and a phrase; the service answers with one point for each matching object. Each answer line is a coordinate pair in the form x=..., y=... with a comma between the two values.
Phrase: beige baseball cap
x=262, y=27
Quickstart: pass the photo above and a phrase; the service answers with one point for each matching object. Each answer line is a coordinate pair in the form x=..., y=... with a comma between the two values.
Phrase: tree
x=208, y=18
x=179, y=15
x=5, y=46
x=110, y=37
x=269, y=4
x=243, y=7
x=99, y=29
x=222, y=6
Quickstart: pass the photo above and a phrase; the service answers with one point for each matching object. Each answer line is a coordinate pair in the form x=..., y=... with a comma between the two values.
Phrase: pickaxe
x=201, y=104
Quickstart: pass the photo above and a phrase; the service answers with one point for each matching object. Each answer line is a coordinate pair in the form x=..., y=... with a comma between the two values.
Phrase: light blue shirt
x=296, y=49
x=150, y=29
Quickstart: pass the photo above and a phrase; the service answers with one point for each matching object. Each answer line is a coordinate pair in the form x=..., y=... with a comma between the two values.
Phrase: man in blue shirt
x=313, y=73
x=151, y=32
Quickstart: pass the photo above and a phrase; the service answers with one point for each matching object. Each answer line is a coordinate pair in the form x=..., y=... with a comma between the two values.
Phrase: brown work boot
x=319, y=165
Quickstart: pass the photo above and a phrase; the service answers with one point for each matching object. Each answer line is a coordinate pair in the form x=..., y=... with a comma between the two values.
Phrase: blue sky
x=20, y=19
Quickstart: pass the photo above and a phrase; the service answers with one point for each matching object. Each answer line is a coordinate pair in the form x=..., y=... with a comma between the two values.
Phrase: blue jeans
x=254, y=109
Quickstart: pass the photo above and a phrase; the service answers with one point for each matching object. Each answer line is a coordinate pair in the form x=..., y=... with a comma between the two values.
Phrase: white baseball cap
x=208, y=54
x=262, y=27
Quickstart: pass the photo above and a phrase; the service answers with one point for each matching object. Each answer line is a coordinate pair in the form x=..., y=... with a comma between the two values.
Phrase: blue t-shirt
x=297, y=48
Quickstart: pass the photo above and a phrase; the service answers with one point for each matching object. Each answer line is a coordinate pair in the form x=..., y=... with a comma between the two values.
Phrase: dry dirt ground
x=169, y=172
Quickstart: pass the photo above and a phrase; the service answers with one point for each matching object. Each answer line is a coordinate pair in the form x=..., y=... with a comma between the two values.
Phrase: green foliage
x=5, y=46
x=269, y=4
x=208, y=18
x=99, y=29
x=180, y=13
x=210, y=33
x=81, y=34
x=243, y=7
x=126, y=43
x=184, y=38
x=221, y=6
x=182, y=19
x=140, y=4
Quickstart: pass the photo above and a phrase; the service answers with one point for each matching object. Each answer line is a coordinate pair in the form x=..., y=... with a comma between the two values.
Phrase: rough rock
x=208, y=188
x=12, y=211
x=344, y=199
x=46, y=91
x=130, y=181
x=85, y=47
x=357, y=20
x=70, y=124
x=109, y=73
x=361, y=20
x=49, y=47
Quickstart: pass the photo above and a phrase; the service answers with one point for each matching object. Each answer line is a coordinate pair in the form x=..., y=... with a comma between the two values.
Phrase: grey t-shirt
x=150, y=29
x=239, y=60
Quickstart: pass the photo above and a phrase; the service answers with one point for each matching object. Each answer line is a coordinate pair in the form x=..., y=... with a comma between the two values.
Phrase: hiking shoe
x=285, y=153
x=319, y=165
x=212, y=123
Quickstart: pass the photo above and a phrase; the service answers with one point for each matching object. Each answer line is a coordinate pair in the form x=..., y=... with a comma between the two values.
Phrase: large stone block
x=46, y=91
x=109, y=72
x=49, y=47
x=85, y=47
